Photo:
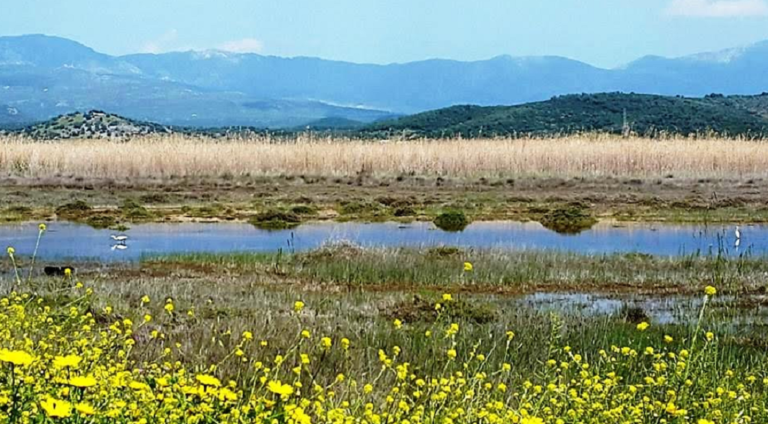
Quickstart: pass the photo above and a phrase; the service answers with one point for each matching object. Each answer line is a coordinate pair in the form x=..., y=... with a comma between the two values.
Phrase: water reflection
x=68, y=240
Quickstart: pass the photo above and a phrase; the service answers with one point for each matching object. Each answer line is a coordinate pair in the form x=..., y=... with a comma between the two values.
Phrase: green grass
x=510, y=271
x=357, y=293
x=223, y=308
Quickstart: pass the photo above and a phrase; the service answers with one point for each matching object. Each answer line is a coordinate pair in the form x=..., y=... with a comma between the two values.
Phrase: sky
x=605, y=33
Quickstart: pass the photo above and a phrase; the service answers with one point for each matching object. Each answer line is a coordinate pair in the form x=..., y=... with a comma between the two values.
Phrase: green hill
x=93, y=124
x=605, y=112
x=647, y=115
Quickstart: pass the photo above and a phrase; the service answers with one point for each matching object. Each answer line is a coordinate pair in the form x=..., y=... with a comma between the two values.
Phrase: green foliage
x=304, y=210
x=275, y=220
x=360, y=208
x=648, y=115
x=404, y=211
x=73, y=210
x=571, y=219
x=451, y=221
x=101, y=221
x=134, y=210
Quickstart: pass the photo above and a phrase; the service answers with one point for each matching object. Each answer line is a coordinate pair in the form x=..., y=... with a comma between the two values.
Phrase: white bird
x=119, y=247
x=119, y=238
x=737, y=234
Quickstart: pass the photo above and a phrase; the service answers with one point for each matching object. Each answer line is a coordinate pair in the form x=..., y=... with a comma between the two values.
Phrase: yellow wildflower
x=326, y=342
x=16, y=357
x=278, y=388
x=298, y=306
x=55, y=408
x=82, y=382
x=84, y=409
x=208, y=380
x=69, y=361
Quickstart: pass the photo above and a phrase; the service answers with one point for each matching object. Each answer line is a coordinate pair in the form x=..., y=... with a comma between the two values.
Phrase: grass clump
x=359, y=208
x=304, y=210
x=633, y=314
x=207, y=211
x=154, y=198
x=101, y=221
x=74, y=210
x=451, y=221
x=443, y=251
x=275, y=220
x=420, y=309
x=134, y=211
x=403, y=211
x=15, y=213
x=571, y=219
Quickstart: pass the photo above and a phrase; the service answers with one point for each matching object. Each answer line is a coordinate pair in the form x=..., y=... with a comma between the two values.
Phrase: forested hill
x=604, y=112
x=647, y=115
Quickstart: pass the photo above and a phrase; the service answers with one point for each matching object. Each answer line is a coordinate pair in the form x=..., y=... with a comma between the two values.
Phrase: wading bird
x=119, y=238
x=737, y=234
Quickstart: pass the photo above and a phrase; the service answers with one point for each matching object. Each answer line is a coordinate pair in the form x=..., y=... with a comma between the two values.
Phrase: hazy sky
x=601, y=32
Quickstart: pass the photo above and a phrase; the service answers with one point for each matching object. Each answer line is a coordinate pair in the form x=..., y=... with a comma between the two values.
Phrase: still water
x=74, y=241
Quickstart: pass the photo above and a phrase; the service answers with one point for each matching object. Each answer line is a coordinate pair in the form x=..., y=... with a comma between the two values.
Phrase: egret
x=737, y=234
x=119, y=238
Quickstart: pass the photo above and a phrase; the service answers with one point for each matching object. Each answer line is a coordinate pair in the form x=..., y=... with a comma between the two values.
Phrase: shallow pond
x=69, y=240
x=736, y=311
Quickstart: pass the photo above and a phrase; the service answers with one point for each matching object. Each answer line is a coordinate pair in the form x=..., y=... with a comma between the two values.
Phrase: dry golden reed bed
x=573, y=156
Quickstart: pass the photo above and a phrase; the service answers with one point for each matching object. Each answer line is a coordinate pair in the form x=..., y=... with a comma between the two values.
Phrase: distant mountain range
x=42, y=77
x=616, y=113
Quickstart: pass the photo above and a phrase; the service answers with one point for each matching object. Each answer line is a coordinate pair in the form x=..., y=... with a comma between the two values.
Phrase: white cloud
x=718, y=8
x=161, y=44
x=245, y=45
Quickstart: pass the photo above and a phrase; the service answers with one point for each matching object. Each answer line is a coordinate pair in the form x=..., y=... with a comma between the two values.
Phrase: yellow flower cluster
x=64, y=365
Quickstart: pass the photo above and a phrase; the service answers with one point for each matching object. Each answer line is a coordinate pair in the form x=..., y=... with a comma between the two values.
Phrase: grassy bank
x=561, y=204
x=499, y=271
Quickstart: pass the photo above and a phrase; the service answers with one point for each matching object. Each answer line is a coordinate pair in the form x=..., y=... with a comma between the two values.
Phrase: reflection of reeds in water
x=572, y=156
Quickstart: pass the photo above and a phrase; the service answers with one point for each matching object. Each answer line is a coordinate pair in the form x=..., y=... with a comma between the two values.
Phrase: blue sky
x=601, y=32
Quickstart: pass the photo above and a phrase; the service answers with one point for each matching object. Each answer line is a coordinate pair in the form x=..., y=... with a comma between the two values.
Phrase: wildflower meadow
x=71, y=358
